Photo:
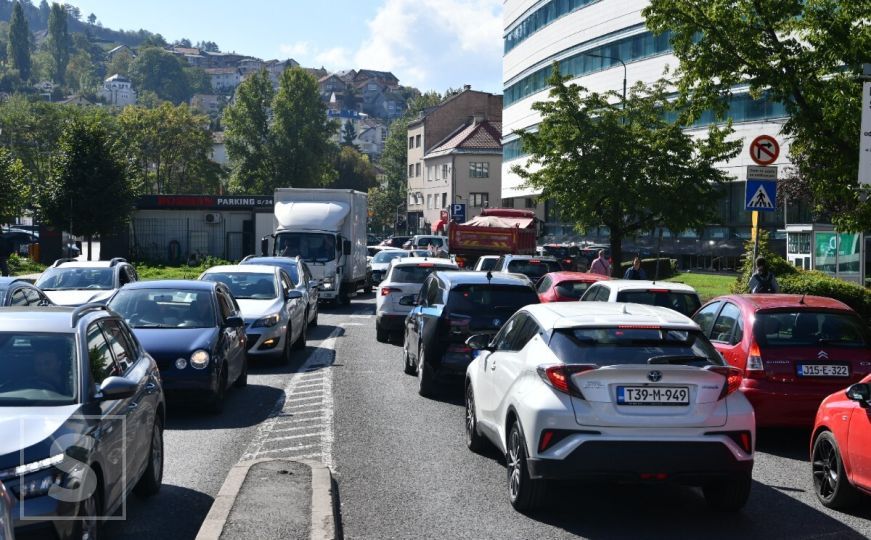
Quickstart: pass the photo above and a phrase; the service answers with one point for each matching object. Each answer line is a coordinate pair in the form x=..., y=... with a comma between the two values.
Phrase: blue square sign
x=761, y=195
x=458, y=212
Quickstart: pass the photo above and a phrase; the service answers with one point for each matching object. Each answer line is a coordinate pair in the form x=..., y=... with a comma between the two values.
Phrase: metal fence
x=176, y=240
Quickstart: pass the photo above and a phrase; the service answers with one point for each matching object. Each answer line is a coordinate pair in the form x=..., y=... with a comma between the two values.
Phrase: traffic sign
x=458, y=212
x=760, y=195
x=764, y=150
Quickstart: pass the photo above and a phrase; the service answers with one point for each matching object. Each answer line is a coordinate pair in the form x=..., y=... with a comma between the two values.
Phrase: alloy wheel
x=157, y=454
x=515, y=469
x=470, y=412
x=825, y=469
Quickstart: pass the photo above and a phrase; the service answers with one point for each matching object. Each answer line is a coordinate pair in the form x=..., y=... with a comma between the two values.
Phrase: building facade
x=589, y=38
x=118, y=91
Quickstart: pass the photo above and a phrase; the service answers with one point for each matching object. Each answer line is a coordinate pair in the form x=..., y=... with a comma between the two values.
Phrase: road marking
x=292, y=448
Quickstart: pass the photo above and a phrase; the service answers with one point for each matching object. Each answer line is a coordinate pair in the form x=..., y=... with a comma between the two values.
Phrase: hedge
x=820, y=284
x=667, y=268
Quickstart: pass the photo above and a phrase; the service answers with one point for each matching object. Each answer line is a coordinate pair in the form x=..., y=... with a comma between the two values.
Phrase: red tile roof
x=481, y=136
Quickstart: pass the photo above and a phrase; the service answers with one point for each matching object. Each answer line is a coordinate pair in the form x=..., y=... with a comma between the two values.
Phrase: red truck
x=497, y=231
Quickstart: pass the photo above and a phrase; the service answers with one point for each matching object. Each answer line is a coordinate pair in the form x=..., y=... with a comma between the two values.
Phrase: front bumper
x=35, y=518
x=266, y=342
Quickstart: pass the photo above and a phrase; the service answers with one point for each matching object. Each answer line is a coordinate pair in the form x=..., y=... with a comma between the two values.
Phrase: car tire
x=729, y=495
x=524, y=493
x=409, y=368
x=87, y=523
x=381, y=335
x=286, y=350
x=242, y=380
x=425, y=376
x=342, y=298
x=216, y=402
x=299, y=344
x=474, y=441
x=831, y=485
x=152, y=478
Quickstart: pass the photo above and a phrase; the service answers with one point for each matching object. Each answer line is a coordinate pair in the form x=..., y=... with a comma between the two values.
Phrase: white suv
x=69, y=282
x=614, y=392
x=677, y=296
x=404, y=276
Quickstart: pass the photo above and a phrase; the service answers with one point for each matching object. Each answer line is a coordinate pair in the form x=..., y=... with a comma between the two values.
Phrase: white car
x=273, y=310
x=677, y=296
x=404, y=277
x=486, y=262
x=69, y=282
x=609, y=392
x=381, y=261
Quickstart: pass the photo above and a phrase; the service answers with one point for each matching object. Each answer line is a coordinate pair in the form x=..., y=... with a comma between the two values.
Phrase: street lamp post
x=396, y=220
x=606, y=57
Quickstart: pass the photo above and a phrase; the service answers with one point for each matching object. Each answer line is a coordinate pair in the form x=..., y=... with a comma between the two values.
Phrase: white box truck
x=327, y=229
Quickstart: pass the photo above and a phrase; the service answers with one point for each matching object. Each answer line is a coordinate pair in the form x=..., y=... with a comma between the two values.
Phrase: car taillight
x=559, y=376
x=733, y=377
x=550, y=437
x=387, y=290
x=567, y=261
x=459, y=348
x=755, y=368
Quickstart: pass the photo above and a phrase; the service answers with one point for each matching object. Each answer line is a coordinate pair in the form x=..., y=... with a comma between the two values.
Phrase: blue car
x=18, y=292
x=193, y=330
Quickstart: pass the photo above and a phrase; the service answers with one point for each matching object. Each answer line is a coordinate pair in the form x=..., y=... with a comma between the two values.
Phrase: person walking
x=635, y=271
x=763, y=281
x=600, y=265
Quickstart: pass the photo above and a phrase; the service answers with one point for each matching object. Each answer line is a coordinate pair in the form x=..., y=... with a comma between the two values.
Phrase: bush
x=820, y=284
x=23, y=265
x=776, y=264
x=667, y=268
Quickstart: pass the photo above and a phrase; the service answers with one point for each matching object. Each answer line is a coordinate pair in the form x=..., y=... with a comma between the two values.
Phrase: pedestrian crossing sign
x=761, y=195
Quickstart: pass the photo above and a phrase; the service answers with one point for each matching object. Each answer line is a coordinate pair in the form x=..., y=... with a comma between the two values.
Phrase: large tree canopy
x=805, y=54
x=623, y=165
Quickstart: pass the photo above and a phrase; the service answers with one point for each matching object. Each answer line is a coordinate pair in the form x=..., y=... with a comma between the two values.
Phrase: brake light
x=639, y=327
x=387, y=290
x=534, y=261
x=425, y=265
x=559, y=376
x=657, y=290
x=567, y=261
x=733, y=377
x=460, y=348
x=755, y=368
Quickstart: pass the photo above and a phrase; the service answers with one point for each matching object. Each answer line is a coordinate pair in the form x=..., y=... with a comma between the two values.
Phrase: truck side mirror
x=264, y=246
x=346, y=247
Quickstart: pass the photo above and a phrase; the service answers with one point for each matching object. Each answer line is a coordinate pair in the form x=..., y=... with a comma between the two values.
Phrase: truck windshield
x=311, y=247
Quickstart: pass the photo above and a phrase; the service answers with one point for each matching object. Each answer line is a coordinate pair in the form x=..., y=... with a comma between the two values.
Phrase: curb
x=323, y=520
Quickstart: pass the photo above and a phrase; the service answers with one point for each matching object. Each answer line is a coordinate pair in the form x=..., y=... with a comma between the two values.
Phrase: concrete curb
x=323, y=519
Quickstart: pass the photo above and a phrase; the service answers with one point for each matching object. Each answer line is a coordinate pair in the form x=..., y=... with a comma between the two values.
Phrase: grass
x=146, y=271
x=19, y=266
x=707, y=285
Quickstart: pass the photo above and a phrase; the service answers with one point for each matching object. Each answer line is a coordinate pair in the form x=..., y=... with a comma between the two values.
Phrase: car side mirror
x=293, y=295
x=860, y=392
x=346, y=247
x=479, y=342
x=235, y=322
x=114, y=388
x=408, y=300
x=314, y=284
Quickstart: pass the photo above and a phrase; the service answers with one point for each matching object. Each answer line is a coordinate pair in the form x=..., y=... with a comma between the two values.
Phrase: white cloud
x=333, y=59
x=300, y=49
x=434, y=44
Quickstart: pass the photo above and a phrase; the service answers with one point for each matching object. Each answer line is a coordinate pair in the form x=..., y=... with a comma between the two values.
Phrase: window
x=410, y=171
x=429, y=202
x=101, y=361
x=725, y=324
x=118, y=342
x=417, y=169
x=445, y=173
x=18, y=298
x=444, y=200
x=417, y=141
x=33, y=297
x=705, y=317
x=479, y=200
x=479, y=169
x=411, y=142
x=616, y=346
x=507, y=203
x=541, y=17
x=530, y=202
x=226, y=305
x=504, y=341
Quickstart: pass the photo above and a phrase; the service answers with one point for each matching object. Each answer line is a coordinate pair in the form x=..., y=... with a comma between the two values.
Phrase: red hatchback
x=841, y=446
x=565, y=286
x=795, y=350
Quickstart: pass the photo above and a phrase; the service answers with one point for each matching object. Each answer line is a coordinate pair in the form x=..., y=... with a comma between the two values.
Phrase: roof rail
x=61, y=261
x=246, y=257
x=116, y=260
x=82, y=310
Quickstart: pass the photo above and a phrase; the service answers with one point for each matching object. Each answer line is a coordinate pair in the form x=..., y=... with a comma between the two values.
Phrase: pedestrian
x=601, y=265
x=6, y=249
x=635, y=271
x=763, y=281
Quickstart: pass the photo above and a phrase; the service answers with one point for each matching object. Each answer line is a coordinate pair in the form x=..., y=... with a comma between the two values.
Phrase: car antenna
x=489, y=276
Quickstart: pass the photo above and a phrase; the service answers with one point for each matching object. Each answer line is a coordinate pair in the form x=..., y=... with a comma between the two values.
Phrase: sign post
x=760, y=195
x=865, y=131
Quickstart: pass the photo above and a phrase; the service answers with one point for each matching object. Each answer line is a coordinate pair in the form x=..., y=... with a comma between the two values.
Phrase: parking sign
x=458, y=212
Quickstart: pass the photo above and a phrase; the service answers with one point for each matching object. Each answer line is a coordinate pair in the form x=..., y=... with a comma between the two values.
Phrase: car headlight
x=200, y=359
x=36, y=477
x=267, y=322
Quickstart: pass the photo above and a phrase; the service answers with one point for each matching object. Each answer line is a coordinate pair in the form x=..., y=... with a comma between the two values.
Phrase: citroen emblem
x=822, y=355
x=654, y=376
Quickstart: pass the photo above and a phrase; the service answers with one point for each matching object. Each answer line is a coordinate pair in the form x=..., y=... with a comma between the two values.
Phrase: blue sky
x=431, y=44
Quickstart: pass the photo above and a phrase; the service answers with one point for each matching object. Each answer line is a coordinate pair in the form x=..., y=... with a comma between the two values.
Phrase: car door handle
x=133, y=406
x=151, y=387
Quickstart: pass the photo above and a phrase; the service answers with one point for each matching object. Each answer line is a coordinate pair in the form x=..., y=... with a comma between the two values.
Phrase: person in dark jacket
x=763, y=281
x=635, y=271
x=6, y=249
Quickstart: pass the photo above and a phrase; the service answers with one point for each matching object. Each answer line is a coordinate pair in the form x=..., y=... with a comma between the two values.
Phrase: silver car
x=273, y=310
x=5, y=515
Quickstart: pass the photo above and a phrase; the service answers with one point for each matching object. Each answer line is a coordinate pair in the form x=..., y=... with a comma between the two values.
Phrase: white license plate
x=653, y=395
x=823, y=370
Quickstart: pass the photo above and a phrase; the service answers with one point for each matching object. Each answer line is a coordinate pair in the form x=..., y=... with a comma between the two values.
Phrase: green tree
x=161, y=72
x=804, y=54
x=622, y=165
x=44, y=11
x=58, y=43
x=87, y=171
x=92, y=19
x=248, y=137
x=119, y=64
x=349, y=133
x=208, y=46
x=353, y=170
x=19, y=42
x=13, y=191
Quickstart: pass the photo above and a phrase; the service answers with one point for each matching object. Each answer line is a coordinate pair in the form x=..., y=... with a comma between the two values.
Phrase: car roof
x=45, y=319
x=189, y=284
x=470, y=277
x=576, y=276
x=86, y=264
x=489, y=257
x=536, y=257
x=247, y=268
x=5, y=282
x=414, y=261
x=758, y=302
x=640, y=284
x=268, y=261
x=595, y=314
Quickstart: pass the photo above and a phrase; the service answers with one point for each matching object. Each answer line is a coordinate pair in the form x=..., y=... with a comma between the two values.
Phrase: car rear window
x=487, y=264
x=572, y=289
x=615, y=345
x=534, y=269
x=415, y=274
x=496, y=298
x=683, y=302
x=803, y=328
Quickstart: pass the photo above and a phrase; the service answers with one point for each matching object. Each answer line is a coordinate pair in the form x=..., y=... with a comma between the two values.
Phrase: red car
x=565, y=286
x=795, y=350
x=841, y=446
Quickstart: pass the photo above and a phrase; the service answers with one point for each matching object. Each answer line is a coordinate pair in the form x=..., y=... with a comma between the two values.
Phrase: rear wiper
x=678, y=359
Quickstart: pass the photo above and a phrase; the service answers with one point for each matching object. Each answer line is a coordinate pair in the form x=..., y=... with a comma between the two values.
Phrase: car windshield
x=685, y=303
x=164, y=308
x=37, y=369
x=614, y=346
x=534, y=269
x=60, y=279
x=558, y=251
x=417, y=273
x=487, y=264
x=809, y=328
x=287, y=265
x=387, y=256
x=246, y=285
x=502, y=299
x=427, y=240
x=572, y=289
x=310, y=247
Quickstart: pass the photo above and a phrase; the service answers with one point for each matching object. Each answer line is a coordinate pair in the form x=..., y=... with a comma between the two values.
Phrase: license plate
x=653, y=395
x=823, y=370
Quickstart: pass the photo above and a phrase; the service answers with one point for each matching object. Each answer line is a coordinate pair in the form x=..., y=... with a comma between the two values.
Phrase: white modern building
x=118, y=91
x=590, y=38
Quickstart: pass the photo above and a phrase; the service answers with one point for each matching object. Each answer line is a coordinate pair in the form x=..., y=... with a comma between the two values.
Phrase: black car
x=19, y=292
x=395, y=241
x=301, y=277
x=193, y=330
x=450, y=307
x=81, y=418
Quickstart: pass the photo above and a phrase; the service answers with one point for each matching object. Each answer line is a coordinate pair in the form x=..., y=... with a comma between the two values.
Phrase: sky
x=429, y=44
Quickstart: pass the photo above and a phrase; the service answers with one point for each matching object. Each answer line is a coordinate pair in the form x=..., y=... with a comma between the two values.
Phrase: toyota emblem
x=654, y=376
x=496, y=322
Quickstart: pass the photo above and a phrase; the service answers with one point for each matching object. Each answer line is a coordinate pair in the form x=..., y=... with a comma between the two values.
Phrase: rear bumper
x=684, y=462
x=778, y=405
x=390, y=322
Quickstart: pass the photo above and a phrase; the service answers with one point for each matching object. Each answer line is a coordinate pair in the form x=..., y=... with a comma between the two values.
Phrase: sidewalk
x=273, y=499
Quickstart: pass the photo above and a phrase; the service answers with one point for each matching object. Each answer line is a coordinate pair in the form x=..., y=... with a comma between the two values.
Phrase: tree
x=349, y=133
x=44, y=11
x=119, y=63
x=350, y=99
x=58, y=43
x=183, y=42
x=804, y=54
x=87, y=173
x=92, y=19
x=353, y=170
x=19, y=42
x=13, y=192
x=208, y=46
x=161, y=72
x=73, y=11
x=622, y=165
x=247, y=135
